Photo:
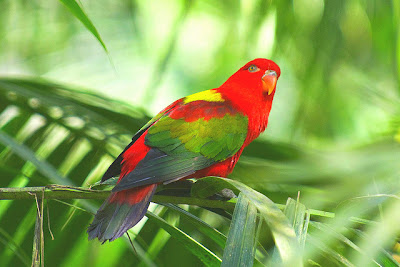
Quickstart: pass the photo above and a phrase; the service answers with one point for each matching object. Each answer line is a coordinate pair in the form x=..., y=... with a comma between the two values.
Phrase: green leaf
x=204, y=254
x=240, y=246
x=161, y=238
x=107, y=184
x=14, y=247
x=284, y=235
x=53, y=134
x=200, y=225
x=299, y=217
x=384, y=258
x=331, y=254
x=78, y=12
x=24, y=227
x=44, y=167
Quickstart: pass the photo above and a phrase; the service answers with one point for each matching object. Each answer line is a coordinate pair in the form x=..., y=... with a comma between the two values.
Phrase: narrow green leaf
x=78, y=12
x=204, y=254
x=162, y=237
x=383, y=234
x=299, y=216
x=24, y=227
x=24, y=152
x=156, y=246
x=329, y=252
x=9, y=243
x=327, y=230
x=110, y=183
x=200, y=225
x=283, y=233
x=240, y=246
x=384, y=258
x=261, y=254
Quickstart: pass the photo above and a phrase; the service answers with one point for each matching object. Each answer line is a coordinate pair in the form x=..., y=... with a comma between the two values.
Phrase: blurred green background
x=339, y=62
x=331, y=135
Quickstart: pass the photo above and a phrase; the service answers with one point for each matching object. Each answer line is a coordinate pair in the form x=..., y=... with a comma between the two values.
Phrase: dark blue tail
x=120, y=212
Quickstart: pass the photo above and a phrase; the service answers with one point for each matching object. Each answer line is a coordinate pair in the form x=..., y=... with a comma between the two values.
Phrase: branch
x=69, y=192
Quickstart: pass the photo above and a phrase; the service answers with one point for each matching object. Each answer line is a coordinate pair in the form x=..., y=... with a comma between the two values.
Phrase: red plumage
x=203, y=110
x=132, y=156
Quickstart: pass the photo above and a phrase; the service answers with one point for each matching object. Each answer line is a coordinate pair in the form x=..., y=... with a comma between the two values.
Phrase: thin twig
x=37, y=236
x=130, y=241
x=71, y=214
x=48, y=220
x=75, y=207
x=41, y=231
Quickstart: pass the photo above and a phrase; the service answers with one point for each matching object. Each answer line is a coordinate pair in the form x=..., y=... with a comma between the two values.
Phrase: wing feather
x=179, y=147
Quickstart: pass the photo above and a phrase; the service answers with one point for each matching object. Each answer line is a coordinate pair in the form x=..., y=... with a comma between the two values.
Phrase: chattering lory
x=200, y=135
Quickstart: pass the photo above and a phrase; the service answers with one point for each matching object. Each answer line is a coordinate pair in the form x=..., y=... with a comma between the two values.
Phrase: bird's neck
x=255, y=105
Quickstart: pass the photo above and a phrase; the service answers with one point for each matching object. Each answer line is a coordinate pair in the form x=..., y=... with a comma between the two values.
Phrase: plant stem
x=69, y=192
x=38, y=239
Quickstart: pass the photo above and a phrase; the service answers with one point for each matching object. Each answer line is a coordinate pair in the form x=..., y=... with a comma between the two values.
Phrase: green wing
x=114, y=169
x=181, y=147
x=216, y=139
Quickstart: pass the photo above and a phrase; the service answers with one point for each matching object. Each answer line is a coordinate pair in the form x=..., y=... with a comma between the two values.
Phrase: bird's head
x=258, y=75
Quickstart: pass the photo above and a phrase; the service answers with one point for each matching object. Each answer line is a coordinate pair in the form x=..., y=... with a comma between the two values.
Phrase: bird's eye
x=253, y=68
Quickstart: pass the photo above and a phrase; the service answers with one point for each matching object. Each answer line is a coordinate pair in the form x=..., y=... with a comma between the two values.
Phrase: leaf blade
x=240, y=245
x=282, y=231
x=78, y=12
x=204, y=254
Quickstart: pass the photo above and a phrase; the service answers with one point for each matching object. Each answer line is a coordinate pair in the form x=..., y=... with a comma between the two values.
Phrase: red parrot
x=199, y=135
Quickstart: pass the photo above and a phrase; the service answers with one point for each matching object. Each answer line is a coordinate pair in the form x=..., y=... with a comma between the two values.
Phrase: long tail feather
x=120, y=212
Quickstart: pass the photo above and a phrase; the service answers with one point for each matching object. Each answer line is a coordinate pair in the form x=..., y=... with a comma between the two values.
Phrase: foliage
x=320, y=187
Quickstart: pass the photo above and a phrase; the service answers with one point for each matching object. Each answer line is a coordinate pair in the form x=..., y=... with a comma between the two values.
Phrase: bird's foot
x=224, y=194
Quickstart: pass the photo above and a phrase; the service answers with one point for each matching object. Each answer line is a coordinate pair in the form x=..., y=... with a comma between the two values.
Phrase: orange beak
x=269, y=81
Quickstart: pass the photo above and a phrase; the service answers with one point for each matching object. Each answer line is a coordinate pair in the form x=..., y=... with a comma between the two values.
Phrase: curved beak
x=269, y=81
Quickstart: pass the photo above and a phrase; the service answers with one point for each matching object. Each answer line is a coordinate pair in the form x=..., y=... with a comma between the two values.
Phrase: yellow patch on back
x=209, y=95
